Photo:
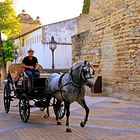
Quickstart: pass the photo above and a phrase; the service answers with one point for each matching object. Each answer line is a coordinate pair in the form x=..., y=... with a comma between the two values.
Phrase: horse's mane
x=77, y=65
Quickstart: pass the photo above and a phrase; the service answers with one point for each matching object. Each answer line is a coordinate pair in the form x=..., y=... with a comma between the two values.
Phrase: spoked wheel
x=7, y=97
x=59, y=108
x=24, y=108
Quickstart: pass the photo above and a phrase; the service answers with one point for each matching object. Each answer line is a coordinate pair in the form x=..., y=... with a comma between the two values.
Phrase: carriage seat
x=16, y=71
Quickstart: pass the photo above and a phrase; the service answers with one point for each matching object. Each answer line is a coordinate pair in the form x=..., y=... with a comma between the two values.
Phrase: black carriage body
x=17, y=88
x=34, y=90
x=22, y=90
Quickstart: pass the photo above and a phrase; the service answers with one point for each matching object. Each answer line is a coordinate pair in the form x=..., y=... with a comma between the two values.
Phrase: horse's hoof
x=68, y=130
x=58, y=123
x=46, y=116
x=82, y=124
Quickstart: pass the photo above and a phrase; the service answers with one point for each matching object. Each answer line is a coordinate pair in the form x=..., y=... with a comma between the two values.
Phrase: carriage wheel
x=59, y=108
x=7, y=97
x=24, y=108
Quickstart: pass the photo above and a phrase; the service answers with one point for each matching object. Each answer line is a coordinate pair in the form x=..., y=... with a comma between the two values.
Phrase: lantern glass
x=52, y=44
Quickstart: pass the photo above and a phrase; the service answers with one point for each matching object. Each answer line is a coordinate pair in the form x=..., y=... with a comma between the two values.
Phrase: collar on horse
x=71, y=81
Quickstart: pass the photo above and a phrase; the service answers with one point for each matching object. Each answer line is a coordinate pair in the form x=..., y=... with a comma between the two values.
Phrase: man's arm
x=36, y=66
x=25, y=66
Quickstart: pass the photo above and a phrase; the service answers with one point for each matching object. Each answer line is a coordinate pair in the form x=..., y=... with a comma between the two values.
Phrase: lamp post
x=15, y=55
x=52, y=46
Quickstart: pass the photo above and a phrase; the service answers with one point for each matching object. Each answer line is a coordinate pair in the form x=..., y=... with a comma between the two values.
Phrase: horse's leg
x=67, y=107
x=48, y=113
x=57, y=108
x=47, y=106
x=57, y=119
x=83, y=104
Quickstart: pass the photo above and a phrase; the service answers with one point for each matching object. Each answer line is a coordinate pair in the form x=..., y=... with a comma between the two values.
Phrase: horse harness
x=71, y=81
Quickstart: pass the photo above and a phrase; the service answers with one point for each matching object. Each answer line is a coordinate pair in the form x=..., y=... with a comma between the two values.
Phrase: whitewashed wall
x=62, y=32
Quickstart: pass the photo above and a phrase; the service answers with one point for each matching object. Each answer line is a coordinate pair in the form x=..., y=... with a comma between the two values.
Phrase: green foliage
x=9, y=23
x=86, y=7
x=10, y=26
x=1, y=60
x=8, y=50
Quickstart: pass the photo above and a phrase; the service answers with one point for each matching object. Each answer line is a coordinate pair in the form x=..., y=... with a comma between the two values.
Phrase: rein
x=71, y=81
x=82, y=74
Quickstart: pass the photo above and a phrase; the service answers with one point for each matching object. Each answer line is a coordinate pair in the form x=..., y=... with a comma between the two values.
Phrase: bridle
x=86, y=69
x=83, y=78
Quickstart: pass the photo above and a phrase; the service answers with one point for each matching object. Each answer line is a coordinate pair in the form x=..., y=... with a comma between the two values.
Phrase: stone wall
x=83, y=23
x=113, y=41
x=25, y=27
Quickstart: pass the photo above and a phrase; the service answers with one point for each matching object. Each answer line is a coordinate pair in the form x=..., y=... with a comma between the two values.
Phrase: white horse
x=70, y=87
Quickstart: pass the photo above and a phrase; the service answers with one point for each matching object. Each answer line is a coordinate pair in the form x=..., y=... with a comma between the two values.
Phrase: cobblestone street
x=109, y=119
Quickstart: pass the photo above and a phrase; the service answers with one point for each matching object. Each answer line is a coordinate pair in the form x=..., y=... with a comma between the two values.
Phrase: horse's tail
x=47, y=89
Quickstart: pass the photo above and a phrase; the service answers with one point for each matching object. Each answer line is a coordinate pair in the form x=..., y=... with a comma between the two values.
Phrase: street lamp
x=15, y=55
x=52, y=46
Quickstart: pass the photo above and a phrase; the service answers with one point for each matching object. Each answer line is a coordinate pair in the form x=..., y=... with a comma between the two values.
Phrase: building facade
x=38, y=39
x=111, y=38
x=27, y=22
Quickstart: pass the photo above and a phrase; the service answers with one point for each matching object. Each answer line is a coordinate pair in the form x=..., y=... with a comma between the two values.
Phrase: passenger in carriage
x=30, y=63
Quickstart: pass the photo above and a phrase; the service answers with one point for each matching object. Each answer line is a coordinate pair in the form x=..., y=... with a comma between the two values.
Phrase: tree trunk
x=3, y=65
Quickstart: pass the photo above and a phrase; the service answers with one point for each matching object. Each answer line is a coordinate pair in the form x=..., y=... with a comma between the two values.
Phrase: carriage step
x=15, y=105
x=39, y=105
x=32, y=105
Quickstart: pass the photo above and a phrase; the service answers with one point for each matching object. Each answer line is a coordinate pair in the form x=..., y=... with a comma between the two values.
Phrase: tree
x=8, y=50
x=9, y=24
x=86, y=7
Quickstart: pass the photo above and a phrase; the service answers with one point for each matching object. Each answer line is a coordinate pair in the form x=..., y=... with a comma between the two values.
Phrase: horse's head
x=84, y=71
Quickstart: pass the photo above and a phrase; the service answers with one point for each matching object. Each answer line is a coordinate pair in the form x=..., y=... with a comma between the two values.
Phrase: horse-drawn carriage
x=17, y=87
x=56, y=90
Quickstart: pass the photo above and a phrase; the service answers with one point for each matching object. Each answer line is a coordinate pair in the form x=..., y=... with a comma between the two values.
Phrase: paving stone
x=109, y=119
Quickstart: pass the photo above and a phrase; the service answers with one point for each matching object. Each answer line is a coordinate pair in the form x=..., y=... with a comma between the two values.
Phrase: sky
x=50, y=11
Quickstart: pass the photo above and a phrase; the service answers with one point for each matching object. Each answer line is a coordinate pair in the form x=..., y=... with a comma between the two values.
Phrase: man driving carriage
x=30, y=63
